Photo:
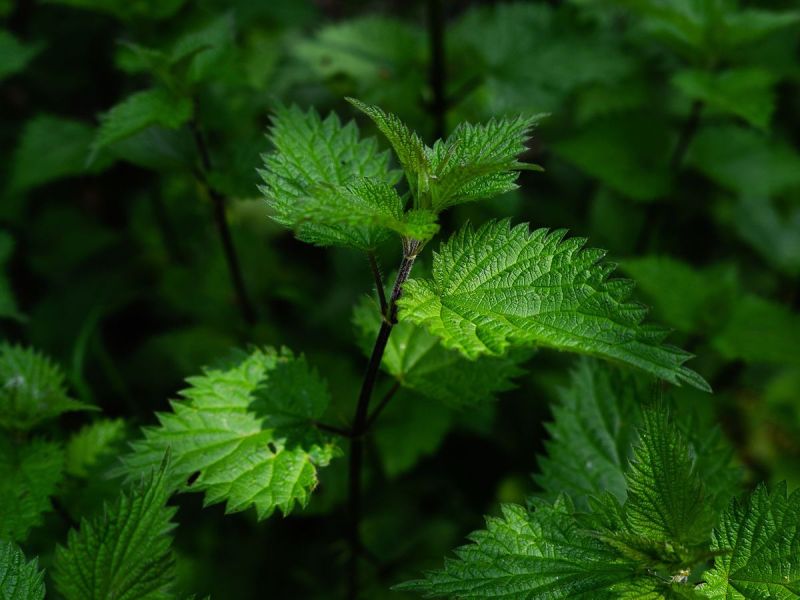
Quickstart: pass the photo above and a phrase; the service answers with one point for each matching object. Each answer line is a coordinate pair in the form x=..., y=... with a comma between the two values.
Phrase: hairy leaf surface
x=29, y=475
x=123, y=553
x=759, y=544
x=239, y=443
x=539, y=554
x=315, y=165
x=19, y=579
x=501, y=286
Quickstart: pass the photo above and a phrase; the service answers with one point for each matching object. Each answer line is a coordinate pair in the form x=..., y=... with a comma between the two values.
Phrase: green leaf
x=312, y=154
x=368, y=204
x=539, y=554
x=522, y=56
x=413, y=154
x=744, y=160
x=410, y=428
x=691, y=300
x=500, y=286
x=772, y=232
x=14, y=55
x=758, y=541
x=475, y=162
x=628, y=153
x=759, y=330
x=32, y=389
x=52, y=148
x=124, y=552
x=417, y=360
x=29, y=476
x=19, y=580
x=708, y=31
x=222, y=447
x=666, y=499
x=593, y=431
x=139, y=111
x=746, y=93
x=91, y=444
x=479, y=161
x=374, y=57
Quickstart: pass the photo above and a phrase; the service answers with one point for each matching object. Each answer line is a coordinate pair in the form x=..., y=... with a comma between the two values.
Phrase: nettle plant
x=638, y=497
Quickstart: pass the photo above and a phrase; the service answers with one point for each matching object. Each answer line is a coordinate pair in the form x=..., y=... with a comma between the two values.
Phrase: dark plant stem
x=218, y=202
x=376, y=274
x=332, y=429
x=382, y=404
x=688, y=132
x=361, y=421
x=657, y=212
x=437, y=73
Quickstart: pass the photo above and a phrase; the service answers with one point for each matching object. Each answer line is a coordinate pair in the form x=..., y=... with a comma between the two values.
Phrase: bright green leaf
x=419, y=362
x=500, y=286
x=221, y=446
x=312, y=154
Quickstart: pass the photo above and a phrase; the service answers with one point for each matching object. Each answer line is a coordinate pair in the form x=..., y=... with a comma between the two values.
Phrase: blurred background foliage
x=130, y=127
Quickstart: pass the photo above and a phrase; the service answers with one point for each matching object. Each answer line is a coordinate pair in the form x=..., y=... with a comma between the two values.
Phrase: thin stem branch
x=218, y=202
x=657, y=212
x=437, y=73
x=376, y=274
x=361, y=419
x=387, y=397
x=688, y=132
x=333, y=429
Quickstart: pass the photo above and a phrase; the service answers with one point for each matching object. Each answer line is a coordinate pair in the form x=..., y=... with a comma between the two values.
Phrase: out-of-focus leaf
x=746, y=93
x=760, y=331
x=744, y=160
x=51, y=148
x=14, y=55
x=629, y=153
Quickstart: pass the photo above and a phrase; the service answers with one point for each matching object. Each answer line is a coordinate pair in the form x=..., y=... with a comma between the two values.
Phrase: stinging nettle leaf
x=242, y=439
x=543, y=553
x=666, y=498
x=417, y=360
x=19, y=579
x=29, y=476
x=503, y=286
x=91, y=444
x=312, y=165
x=411, y=151
x=758, y=541
x=592, y=434
x=123, y=553
x=368, y=203
x=33, y=389
x=473, y=163
x=479, y=161
x=139, y=111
